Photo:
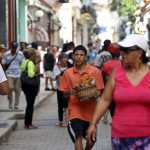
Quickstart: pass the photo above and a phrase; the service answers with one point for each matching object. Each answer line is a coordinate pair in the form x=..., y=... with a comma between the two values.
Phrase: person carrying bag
x=6, y=66
x=25, y=79
x=30, y=84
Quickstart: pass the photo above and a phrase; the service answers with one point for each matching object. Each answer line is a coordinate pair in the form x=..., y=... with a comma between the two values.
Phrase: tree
x=124, y=7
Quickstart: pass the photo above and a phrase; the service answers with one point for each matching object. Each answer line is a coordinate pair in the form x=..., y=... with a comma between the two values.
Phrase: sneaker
x=53, y=89
x=59, y=124
x=16, y=107
x=10, y=107
x=47, y=89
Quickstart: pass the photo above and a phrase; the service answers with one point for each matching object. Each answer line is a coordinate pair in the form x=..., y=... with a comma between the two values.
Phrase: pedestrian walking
x=80, y=113
x=92, y=53
x=128, y=86
x=30, y=91
x=4, y=86
x=69, y=52
x=48, y=63
x=107, y=68
x=62, y=102
x=104, y=55
x=13, y=59
x=23, y=46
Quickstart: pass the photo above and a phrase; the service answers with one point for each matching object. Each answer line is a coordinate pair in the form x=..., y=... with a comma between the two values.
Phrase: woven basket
x=87, y=93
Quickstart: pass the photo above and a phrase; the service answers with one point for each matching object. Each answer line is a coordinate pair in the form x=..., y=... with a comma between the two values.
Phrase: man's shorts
x=77, y=128
x=48, y=74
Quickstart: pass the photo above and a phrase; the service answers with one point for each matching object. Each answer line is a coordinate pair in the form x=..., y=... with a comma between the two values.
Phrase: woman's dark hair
x=62, y=55
x=80, y=47
x=65, y=47
x=145, y=59
x=71, y=45
x=106, y=44
x=34, y=45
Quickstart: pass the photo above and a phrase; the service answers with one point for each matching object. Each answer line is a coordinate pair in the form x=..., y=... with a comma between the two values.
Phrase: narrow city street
x=80, y=48
x=48, y=136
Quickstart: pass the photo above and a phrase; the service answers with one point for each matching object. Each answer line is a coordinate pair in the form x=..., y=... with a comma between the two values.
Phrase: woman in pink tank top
x=129, y=87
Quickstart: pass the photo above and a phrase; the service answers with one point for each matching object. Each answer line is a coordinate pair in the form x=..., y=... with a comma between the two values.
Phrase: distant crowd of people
x=119, y=72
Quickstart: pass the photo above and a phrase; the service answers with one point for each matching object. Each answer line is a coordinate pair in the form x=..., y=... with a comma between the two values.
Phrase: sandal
x=31, y=127
x=58, y=124
x=64, y=124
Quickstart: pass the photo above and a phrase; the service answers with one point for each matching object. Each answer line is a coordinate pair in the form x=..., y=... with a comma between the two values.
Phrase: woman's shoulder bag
x=25, y=79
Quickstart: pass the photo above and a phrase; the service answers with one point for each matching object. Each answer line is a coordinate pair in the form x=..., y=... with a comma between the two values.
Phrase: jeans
x=30, y=94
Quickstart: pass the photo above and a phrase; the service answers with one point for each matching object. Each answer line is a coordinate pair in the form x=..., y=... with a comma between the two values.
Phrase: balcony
x=87, y=12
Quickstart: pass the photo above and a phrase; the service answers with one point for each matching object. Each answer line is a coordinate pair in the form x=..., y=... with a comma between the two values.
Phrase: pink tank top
x=132, y=111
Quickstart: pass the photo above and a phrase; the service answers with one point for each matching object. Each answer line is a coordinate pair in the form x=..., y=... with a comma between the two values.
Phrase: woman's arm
x=101, y=107
x=105, y=99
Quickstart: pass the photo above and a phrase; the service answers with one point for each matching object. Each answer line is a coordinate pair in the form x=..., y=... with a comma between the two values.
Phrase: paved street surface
x=48, y=136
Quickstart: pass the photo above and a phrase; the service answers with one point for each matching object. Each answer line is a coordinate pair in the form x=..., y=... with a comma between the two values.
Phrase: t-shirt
x=14, y=69
x=76, y=109
x=91, y=56
x=57, y=70
x=102, y=58
x=29, y=66
x=132, y=112
x=49, y=62
x=110, y=65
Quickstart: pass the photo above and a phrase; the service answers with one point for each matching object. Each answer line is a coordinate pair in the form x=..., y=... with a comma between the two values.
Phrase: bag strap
x=26, y=68
x=60, y=70
x=12, y=60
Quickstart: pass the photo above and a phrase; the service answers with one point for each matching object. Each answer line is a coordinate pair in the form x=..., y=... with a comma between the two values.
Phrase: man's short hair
x=106, y=43
x=23, y=43
x=80, y=47
x=90, y=44
x=34, y=45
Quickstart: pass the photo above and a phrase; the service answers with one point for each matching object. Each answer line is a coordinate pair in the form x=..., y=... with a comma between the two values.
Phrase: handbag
x=25, y=79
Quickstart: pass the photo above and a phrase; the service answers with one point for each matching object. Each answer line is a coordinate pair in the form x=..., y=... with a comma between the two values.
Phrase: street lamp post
x=39, y=13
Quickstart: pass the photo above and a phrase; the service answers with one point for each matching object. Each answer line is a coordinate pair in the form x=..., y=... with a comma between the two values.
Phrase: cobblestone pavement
x=48, y=136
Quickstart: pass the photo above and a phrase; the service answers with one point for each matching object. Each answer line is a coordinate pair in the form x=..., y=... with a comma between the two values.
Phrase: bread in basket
x=86, y=89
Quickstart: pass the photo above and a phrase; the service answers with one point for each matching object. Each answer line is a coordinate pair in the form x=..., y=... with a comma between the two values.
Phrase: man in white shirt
x=13, y=73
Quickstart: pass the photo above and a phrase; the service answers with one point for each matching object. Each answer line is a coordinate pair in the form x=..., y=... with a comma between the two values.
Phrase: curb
x=5, y=132
x=11, y=122
x=21, y=115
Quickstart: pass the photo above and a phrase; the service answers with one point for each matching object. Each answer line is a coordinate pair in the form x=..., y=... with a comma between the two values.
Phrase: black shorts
x=76, y=128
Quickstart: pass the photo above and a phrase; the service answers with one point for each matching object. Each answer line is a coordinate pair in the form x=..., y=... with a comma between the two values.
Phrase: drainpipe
x=11, y=21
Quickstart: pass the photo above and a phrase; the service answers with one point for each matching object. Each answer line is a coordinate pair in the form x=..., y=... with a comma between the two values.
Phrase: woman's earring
x=138, y=59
